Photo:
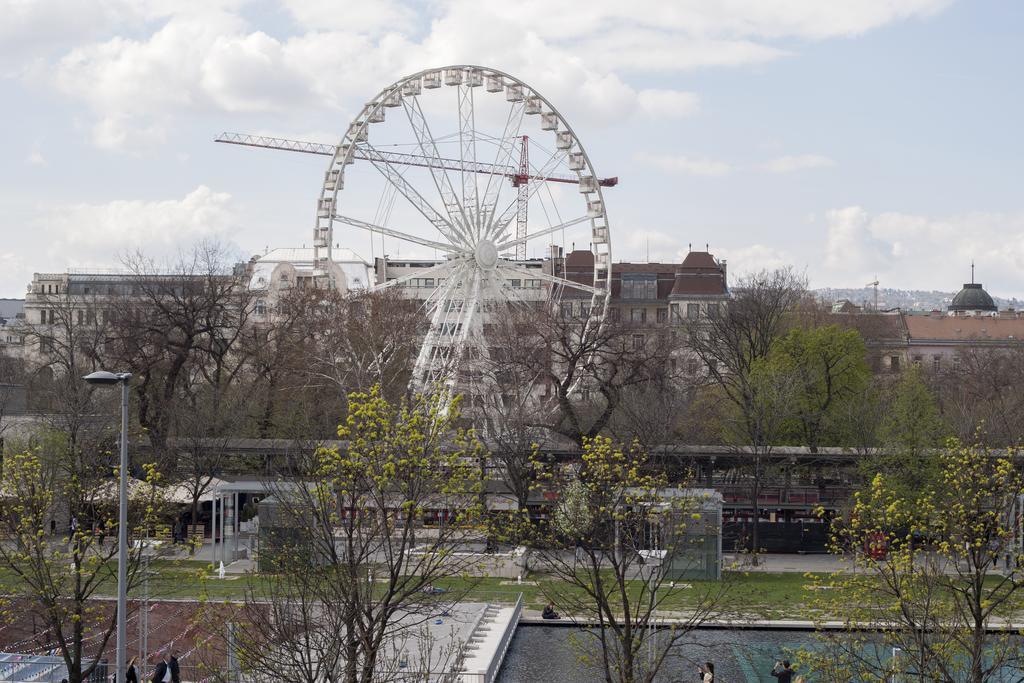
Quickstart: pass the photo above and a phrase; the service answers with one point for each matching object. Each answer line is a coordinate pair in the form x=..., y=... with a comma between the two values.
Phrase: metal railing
x=506, y=639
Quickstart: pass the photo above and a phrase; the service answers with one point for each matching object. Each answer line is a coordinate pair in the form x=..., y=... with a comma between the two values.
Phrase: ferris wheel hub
x=486, y=254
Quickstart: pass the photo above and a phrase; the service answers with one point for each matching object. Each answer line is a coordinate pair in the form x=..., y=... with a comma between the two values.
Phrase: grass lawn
x=765, y=594
x=785, y=595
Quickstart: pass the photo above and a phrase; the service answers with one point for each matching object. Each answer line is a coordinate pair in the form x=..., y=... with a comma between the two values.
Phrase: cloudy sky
x=846, y=138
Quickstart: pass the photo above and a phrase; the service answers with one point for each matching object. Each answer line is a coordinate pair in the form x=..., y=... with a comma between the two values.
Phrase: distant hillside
x=907, y=299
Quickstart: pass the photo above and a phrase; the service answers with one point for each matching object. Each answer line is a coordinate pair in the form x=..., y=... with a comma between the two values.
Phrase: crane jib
x=512, y=173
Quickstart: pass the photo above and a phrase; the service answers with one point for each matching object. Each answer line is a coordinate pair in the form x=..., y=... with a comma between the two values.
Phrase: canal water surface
x=551, y=653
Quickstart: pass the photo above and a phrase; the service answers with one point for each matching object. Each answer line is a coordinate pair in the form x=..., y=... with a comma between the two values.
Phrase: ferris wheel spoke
x=502, y=159
x=535, y=182
x=467, y=154
x=397, y=178
x=437, y=165
x=440, y=294
x=439, y=269
x=506, y=266
x=380, y=229
x=541, y=233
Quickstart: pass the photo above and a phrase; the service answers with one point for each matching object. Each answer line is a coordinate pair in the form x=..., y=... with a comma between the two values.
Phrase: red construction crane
x=520, y=176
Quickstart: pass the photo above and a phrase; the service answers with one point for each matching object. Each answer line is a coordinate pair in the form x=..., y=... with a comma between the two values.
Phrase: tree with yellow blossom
x=380, y=520
x=932, y=571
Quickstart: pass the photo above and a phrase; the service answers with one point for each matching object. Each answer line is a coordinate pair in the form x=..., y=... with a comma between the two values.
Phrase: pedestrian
x=161, y=672
x=549, y=612
x=131, y=675
x=173, y=668
x=707, y=672
x=783, y=671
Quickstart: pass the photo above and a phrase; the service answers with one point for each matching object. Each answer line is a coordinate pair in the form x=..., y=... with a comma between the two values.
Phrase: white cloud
x=668, y=104
x=90, y=234
x=753, y=258
x=923, y=252
x=365, y=17
x=201, y=55
x=682, y=164
x=788, y=164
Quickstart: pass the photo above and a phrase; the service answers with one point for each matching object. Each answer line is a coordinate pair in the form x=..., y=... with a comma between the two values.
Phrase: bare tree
x=585, y=368
x=980, y=396
x=731, y=346
x=621, y=534
x=177, y=329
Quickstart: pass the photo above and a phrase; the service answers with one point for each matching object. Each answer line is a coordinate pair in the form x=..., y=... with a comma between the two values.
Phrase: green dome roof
x=972, y=298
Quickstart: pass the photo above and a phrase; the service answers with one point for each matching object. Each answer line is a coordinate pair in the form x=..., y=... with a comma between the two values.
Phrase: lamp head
x=104, y=377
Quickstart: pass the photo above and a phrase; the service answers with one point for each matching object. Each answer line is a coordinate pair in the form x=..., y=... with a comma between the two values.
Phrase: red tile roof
x=950, y=327
x=698, y=284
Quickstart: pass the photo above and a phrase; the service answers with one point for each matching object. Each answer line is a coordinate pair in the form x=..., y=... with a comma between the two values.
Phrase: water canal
x=545, y=654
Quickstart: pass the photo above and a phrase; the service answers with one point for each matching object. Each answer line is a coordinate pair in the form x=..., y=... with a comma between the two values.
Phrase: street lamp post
x=110, y=378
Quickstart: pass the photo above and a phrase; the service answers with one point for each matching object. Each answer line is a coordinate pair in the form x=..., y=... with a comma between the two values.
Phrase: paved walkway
x=782, y=563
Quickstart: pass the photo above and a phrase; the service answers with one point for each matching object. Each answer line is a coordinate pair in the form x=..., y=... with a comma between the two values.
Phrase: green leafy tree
x=830, y=367
x=926, y=579
x=911, y=433
x=613, y=509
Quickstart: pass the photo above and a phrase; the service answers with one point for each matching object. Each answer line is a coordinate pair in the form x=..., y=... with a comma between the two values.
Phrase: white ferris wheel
x=465, y=171
x=445, y=143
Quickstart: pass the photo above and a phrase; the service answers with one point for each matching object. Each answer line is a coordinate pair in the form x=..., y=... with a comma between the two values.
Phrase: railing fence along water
x=506, y=638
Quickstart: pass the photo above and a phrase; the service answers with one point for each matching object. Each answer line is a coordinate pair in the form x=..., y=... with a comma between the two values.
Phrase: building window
x=85, y=290
x=936, y=363
x=261, y=307
x=42, y=317
x=638, y=315
x=894, y=363
x=90, y=317
x=691, y=366
x=81, y=316
x=714, y=310
x=638, y=342
x=662, y=315
x=675, y=313
x=692, y=311
x=639, y=286
x=566, y=310
x=584, y=308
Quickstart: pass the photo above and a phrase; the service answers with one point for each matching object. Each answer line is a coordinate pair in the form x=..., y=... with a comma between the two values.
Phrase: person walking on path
x=131, y=675
x=785, y=674
x=707, y=673
x=174, y=669
x=162, y=673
